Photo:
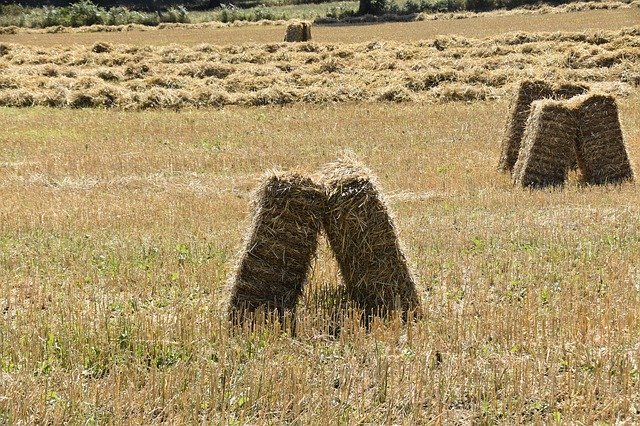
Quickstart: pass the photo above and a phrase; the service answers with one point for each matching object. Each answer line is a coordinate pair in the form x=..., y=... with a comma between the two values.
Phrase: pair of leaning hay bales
x=289, y=213
x=555, y=128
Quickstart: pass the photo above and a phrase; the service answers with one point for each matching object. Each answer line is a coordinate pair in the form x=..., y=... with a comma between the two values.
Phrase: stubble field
x=119, y=227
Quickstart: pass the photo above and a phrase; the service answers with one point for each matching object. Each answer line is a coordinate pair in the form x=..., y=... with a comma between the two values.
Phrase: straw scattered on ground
x=443, y=69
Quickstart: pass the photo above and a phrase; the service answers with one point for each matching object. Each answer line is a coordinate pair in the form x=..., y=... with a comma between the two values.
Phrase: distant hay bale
x=363, y=238
x=279, y=248
x=548, y=143
x=601, y=151
x=529, y=91
x=298, y=31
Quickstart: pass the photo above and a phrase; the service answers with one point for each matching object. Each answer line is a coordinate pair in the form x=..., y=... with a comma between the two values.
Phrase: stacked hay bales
x=548, y=144
x=363, y=238
x=280, y=246
x=528, y=92
x=298, y=31
x=601, y=151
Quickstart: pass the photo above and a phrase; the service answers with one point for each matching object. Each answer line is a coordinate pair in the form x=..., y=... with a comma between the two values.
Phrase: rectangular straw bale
x=528, y=91
x=548, y=145
x=362, y=235
x=601, y=151
x=280, y=245
x=567, y=91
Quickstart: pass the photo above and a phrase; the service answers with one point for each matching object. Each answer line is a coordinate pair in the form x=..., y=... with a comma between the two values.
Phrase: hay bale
x=601, y=151
x=569, y=90
x=547, y=145
x=280, y=246
x=298, y=31
x=528, y=92
x=363, y=238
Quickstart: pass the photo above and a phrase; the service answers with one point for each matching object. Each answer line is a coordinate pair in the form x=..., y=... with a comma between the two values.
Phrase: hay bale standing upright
x=548, y=144
x=280, y=246
x=528, y=91
x=362, y=235
x=601, y=151
x=298, y=31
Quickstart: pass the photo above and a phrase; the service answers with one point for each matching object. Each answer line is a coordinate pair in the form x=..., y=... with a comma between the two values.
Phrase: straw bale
x=529, y=91
x=569, y=90
x=279, y=247
x=363, y=238
x=547, y=145
x=298, y=31
x=601, y=151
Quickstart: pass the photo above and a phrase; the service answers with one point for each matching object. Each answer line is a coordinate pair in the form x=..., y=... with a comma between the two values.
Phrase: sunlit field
x=120, y=225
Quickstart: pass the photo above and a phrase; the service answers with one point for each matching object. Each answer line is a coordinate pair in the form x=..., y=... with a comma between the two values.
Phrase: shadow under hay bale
x=280, y=246
x=547, y=145
x=298, y=31
x=363, y=238
x=528, y=92
x=600, y=148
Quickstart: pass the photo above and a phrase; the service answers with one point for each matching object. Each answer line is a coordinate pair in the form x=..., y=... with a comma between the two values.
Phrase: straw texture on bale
x=547, y=145
x=363, y=238
x=528, y=91
x=280, y=246
x=298, y=31
x=601, y=151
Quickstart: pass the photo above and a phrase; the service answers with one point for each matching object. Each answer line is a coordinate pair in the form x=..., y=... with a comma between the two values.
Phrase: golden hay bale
x=528, y=92
x=547, y=145
x=298, y=31
x=280, y=245
x=363, y=238
x=602, y=155
x=569, y=90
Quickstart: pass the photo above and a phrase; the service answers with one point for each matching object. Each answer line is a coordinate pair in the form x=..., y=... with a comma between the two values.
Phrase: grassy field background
x=118, y=230
x=482, y=26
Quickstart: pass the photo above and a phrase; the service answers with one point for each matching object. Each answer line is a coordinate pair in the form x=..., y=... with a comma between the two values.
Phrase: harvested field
x=442, y=69
x=477, y=26
x=119, y=229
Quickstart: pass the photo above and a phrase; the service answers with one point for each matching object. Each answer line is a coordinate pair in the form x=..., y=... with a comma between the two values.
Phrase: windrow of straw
x=547, y=145
x=528, y=92
x=289, y=213
x=279, y=247
x=601, y=151
x=447, y=68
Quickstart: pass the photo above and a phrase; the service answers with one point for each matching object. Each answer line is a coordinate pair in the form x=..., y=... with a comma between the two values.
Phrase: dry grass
x=118, y=231
x=466, y=25
x=441, y=69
